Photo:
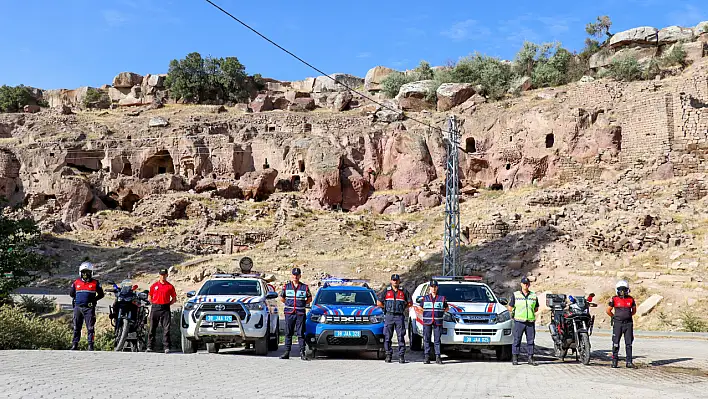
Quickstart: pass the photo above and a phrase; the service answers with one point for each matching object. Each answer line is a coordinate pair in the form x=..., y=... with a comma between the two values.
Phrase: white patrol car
x=476, y=318
x=231, y=309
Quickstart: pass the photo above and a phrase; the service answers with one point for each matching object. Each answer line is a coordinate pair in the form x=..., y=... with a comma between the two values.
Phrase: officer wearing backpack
x=523, y=305
x=621, y=309
x=85, y=292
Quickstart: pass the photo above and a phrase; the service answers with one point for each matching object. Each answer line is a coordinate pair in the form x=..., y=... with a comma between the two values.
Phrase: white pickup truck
x=231, y=309
x=477, y=319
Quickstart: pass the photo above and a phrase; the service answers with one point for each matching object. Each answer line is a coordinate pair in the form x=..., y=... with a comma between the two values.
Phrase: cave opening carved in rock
x=470, y=145
x=157, y=164
x=84, y=161
x=550, y=140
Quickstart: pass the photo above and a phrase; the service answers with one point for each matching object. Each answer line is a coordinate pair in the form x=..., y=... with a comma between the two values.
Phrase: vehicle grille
x=475, y=331
x=348, y=319
x=228, y=307
x=475, y=319
x=332, y=340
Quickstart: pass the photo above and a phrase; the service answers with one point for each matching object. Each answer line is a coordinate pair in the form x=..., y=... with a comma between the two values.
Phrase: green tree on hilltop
x=13, y=99
x=196, y=79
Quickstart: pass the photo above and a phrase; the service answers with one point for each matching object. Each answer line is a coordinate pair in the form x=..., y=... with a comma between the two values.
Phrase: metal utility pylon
x=451, y=244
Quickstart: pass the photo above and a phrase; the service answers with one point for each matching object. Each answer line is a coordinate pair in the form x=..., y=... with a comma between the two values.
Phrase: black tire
x=122, y=336
x=584, y=348
x=212, y=347
x=415, y=339
x=188, y=346
x=504, y=353
x=274, y=339
x=261, y=346
x=314, y=354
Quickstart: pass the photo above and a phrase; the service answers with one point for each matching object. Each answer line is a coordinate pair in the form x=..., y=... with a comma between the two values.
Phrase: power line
x=317, y=69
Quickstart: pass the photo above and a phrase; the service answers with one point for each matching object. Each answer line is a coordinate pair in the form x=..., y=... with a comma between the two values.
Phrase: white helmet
x=622, y=284
x=86, y=266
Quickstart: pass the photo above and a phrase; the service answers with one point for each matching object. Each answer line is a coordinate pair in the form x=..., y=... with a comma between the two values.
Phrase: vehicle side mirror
x=146, y=292
x=419, y=300
x=271, y=295
x=504, y=301
x=191, y=294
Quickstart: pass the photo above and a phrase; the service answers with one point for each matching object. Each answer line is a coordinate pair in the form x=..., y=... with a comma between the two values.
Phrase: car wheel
x=261, y=346
x=274, y=338
x=212, y=347
x=415, y=339
x=504, y=353
x=188, y=346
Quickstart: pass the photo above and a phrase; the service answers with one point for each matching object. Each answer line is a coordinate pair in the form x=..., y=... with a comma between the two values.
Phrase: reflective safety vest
x=86, y=292
x=525, y=306
x=433, y=310
x=295, y=298
x=395, y=301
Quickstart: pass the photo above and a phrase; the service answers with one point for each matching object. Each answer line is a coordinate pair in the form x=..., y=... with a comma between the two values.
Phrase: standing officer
x=622, y=323
x=434, y=308
x=86, y=292
x=295, y=295
x=162, y=295
x=395, y=300
x=523, y=305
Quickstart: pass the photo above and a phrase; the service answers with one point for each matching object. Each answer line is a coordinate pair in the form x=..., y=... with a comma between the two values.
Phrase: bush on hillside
x=23, y=330
x=675, y=56
x=199, y=80
x=392, y=83
x=13, y=99
x=37, y=306
x=625, y=69
x=20, y=264
x=96, y=98
x=493, y=75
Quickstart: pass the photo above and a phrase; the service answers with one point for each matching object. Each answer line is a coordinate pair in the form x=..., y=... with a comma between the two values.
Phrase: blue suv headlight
x=503, y=316
x=376, y=319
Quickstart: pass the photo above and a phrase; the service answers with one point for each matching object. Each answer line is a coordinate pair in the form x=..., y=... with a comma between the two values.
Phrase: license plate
x=476, y=340
x=347, y=334
x=219, y=318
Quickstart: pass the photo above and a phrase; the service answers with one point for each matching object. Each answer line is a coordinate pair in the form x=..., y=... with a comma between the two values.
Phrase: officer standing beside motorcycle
x=624, y=308
x=86, y=292
x=162, y=295
x=395, y=300
x=523, y=305
x=296, y=296
x=434, y=308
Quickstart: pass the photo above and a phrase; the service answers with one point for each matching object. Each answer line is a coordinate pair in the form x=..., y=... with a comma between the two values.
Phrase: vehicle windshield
x=466, y=293
x=231, y=287
x=346, y=298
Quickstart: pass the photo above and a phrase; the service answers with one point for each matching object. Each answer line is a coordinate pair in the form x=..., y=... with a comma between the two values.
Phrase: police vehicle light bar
x=457, y=278
x=333, y=280
x=231, y=275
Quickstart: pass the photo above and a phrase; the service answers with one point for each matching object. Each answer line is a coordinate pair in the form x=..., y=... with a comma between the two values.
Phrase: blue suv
x=345, y=318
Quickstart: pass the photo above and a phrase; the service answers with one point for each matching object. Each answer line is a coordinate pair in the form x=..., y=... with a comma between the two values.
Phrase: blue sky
x=71, y=43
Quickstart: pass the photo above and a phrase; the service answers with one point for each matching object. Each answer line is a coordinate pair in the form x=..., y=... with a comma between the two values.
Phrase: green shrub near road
x=24, y=330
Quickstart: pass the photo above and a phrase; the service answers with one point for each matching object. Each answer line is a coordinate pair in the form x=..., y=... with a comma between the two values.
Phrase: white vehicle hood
x=481, y=307
x=225, y=299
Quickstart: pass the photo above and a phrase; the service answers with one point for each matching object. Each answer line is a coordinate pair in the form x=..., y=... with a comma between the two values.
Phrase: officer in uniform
x=295, y=295
x=624, y=308
x=395, y=300
x=434, y=308
x=523, y=305
x=85, y=293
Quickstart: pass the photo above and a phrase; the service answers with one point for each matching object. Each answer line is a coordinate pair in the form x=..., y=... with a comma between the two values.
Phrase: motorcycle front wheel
x=122, y=336
x=584, y=348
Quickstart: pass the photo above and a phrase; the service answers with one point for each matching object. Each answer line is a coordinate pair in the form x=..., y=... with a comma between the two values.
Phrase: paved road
x=673, y=369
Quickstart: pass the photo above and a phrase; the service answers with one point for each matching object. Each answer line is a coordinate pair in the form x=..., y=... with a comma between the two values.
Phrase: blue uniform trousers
x=294, y=325
x=435, y=332
x=520, y=328
x=397, y=322
x=84, y=314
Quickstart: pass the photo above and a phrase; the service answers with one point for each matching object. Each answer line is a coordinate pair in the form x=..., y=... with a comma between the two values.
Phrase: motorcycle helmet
x=86, y=270
x=622, y=288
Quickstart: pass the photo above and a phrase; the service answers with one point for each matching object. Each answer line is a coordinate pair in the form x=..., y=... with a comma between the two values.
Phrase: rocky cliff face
x=86, y=162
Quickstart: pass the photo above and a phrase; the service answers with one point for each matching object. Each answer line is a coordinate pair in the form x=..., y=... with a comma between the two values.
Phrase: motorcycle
x=572, y=325
x=129, y=316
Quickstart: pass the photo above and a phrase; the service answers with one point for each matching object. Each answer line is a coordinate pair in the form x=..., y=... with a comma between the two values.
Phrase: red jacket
x=162, y=293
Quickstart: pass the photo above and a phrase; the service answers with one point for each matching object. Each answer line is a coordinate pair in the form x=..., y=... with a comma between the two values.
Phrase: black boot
x=90, y=347
x=303, y=356
x=631, y=365
x=402, y=359
x=285, y=355
x=74, y=347
x=532, y=362
x=515, y=360
x=614, y=362
x=427, y=358
x=388, y=358
x=438, y=359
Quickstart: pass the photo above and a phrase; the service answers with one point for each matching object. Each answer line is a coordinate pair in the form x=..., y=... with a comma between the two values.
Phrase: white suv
x=231, y=309
x=477, y=319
